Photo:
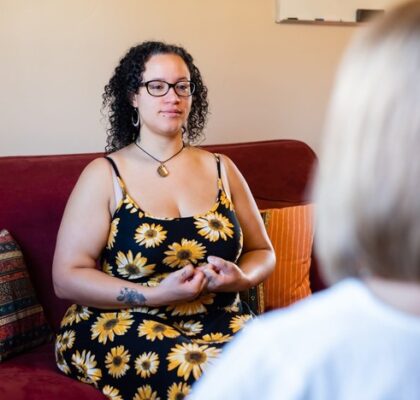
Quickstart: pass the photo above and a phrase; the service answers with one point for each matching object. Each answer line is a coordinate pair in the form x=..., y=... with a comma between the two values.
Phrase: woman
x=176, y=231
x=361, y=338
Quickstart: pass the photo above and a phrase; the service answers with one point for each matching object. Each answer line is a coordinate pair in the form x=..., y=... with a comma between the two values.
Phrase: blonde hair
x=367, y=188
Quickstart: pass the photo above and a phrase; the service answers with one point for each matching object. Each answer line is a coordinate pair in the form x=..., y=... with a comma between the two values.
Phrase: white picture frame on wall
x=337, y=11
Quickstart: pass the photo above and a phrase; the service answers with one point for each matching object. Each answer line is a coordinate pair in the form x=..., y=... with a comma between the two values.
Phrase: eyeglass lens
x=160, y=88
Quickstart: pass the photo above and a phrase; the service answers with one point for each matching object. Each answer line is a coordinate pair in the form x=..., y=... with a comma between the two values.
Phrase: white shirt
x=342, y=343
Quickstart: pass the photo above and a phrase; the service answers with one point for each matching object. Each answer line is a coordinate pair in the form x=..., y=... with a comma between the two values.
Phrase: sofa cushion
x=22, y=321
x=35, y=376
x=291, y=232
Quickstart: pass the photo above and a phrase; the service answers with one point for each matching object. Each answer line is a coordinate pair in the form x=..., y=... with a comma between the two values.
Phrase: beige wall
x=266, y=81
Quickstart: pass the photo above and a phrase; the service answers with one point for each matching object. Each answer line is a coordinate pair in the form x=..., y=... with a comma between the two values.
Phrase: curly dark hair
x=126, y=81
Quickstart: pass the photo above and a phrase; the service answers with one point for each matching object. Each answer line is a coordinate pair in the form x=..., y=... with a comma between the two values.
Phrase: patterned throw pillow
x=291, y=232
x=22, y=321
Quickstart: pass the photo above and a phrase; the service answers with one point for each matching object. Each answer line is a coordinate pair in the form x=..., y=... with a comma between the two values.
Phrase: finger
x=198, y=281
x=202, y=267
x=204, y=284
x=212, y=285
x=205, y=269
x=187, y=272
x=198, y=275
x=214, y=280
x=214, y=259
x=217, y=262
x=210, y=273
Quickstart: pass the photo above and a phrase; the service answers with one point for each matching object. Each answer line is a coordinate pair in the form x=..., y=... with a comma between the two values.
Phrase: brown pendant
x=162, y=171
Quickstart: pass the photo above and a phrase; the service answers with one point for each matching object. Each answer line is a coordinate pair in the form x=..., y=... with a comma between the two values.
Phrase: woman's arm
x=257, y=260
x=81, y=238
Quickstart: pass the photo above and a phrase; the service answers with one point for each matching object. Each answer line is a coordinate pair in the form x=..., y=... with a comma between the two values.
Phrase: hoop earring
x=135, y=118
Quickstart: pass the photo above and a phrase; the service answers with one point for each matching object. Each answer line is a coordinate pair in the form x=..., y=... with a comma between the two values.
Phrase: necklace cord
x=159, y=161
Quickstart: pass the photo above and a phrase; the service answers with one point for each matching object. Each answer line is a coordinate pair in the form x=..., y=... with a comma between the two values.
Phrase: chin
x=172, y=130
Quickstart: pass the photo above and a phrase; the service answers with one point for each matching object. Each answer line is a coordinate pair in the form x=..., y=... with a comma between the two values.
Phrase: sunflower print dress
x=155, y=353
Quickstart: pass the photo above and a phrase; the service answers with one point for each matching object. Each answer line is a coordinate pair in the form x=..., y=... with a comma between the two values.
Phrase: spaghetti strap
x=114, y=166
x=117, y=173
x=219, y=173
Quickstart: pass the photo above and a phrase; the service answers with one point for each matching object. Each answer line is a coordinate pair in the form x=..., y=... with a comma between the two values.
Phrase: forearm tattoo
x=131, y=297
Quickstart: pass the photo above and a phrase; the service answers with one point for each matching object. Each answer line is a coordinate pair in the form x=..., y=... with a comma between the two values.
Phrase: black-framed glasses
x=159, y=88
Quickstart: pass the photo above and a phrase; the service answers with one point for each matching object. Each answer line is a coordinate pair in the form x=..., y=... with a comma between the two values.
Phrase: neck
x=404, y=296
x=160, y=147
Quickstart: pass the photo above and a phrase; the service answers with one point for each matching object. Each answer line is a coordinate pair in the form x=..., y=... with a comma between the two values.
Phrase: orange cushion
x=291, y=231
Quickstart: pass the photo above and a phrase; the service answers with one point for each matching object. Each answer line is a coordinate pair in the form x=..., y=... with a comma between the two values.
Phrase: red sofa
x=34, y=193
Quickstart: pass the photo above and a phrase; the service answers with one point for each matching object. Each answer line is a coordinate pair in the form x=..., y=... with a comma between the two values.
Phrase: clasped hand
x=222, y=275
x=218, y=275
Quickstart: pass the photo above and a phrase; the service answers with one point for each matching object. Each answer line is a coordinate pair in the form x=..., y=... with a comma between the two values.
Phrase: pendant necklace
x=162, y=170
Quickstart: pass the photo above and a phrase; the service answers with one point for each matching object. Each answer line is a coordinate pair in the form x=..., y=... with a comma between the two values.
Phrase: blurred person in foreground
x=360, y=339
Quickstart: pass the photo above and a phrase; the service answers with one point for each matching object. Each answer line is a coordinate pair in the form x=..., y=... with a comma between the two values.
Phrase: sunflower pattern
x=213, y=338
x=156, y=279
x=186, y=252
x=150, y=235
x=224, y=199
x=75, y=314
x=147, y=364
x=85, y=364
x=146, y=393
x=59, y=358
x=112, y=232
x=190, y=358
x=66, y=340
x=107, y=325
x=156, y=330
x=111, y=393
x=192, y=307
x=214, y=227
x=117, y=361
x=106, y=267
x=131, y=267
x=178, y=391
x=238, y=322
x=189, y=328
x=156, y=353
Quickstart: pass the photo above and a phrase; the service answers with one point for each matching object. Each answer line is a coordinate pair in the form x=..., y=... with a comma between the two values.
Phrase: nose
x=172, y=95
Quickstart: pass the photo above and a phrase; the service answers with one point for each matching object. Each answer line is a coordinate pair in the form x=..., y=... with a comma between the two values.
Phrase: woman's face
x=165, y=115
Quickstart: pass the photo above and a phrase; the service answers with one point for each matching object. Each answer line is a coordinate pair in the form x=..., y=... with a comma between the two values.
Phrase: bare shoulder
x=230, y=168
x=95, y=181
x=201, y=158
x=199, y=152
x=90, y=196
x=206, y=155
x=227, y=162
x=96, y=169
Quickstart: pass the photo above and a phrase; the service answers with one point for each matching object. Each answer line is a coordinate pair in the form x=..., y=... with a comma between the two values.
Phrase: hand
x=182, y=285
x=223, y=275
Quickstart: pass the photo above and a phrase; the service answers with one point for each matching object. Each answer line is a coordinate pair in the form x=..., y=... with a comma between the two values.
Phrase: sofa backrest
x=34, y=191
x=277, y=171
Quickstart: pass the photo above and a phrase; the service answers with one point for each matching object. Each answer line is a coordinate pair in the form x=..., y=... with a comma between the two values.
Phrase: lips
x=171, y=113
